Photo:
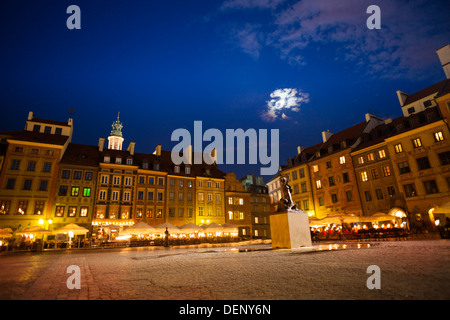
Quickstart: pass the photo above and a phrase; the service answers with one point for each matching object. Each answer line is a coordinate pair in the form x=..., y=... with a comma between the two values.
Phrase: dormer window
x=187, y=170
x=177, y=169
x=145, y=165
x=106, y=159
x=129, y=161
x=156, y=166
x=119, y=160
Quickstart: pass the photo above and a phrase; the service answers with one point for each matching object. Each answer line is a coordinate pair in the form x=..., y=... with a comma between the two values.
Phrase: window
x=423, y=163
x=115, y=196
x=386, y=171
x=180, y=212
x=88, y=176
x=22, y=206
x=65, y=174
x=189, y=213
x=10, y=183
x=119, y=160
x=391, y=190
x=200, y=211
x=151, y=180
x=241, y=201
x=345, y=177
x=187, y=170
x=200, y=183
x=72, y=212
x=303, y=187
x=140, y=195
x=150, y=196
x=86, y=192
x=417, y=143
x=77, y=175
x=171, y=196
x=160, y=196
x=368, y=195
x=177, y=169
x=370, y=157
x=149, y=213
x=382, y=154
x=104, y=180
x=39, y=207
x=230, y=200
x=305, y=204
x=444, y=158
x=334, y=198
x=379, y=194
x=189, y=184
x=15, y=165
x=160, y=181
x=36, y=128
x=189, y=196
x=398, y=148
x=438, y=136
x=208, y=184
x=59, y=212
x=217, y=197
x=294, y=175
x=430, y=187
x=374, y=173
x=209, y=196
x=83, y=211
x=331, y=181
x=328, y=164
x=116, y=180
x=404, y=167
x=31, y=165
x=427, y=103
x=318, y=184
x=47, y=167
x=159, y=213
x=200, y=196
x=410, y=190
x=361, y=160
x=411, y=110
x=62, y=191
x=129, y=161
x=18, y=149
x=180, y=196
x=126, y=196
x=301, y=173
x=47, y=129
x=75, y=191
x=5, y=205
x=172, y=182
x=364, y=176
x=127, y=181
x=349, y=195
x=43, y=185
x=315, y=168
x=342, y=160
x=102, y=195
x=217, y=185
x=321, y=201
x=58, y=131
x=181, y=183
x=27, y=184
x=230, y=215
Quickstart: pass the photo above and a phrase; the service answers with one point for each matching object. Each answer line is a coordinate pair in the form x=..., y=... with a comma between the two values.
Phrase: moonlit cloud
x=283, y=100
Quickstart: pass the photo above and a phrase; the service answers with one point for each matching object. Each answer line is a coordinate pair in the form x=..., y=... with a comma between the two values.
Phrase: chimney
x=158, y=150
x=444, y=56
x=387, y=121
x=30, y=115
x=131, y=147
x=101, y=144
x=300, y=149
x=326, y=135
x=401, y=97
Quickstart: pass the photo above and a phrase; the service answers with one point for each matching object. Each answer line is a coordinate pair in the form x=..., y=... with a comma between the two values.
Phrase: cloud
x=248, y=39
x=411, y=31
x=281, y=99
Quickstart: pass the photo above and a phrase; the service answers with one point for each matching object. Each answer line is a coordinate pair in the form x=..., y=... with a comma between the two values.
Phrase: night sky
x=165, y=64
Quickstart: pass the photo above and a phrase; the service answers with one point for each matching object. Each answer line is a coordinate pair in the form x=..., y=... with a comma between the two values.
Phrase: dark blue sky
x=165, y=64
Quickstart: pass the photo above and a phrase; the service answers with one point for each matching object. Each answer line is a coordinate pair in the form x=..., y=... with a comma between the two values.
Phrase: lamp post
x=43, y=223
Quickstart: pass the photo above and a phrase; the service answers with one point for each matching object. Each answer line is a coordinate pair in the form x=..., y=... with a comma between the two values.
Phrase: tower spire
x=115, y=139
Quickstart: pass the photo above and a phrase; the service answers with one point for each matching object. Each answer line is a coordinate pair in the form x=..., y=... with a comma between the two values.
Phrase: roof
x=54, y=122
x=425, y=92
x=445, y=89
x=80, y=154
x=39, y=137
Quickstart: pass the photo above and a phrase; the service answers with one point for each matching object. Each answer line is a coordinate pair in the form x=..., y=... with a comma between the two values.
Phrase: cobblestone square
x=417, y=269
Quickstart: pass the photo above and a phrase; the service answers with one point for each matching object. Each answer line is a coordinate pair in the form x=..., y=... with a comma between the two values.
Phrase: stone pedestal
x=290, y=230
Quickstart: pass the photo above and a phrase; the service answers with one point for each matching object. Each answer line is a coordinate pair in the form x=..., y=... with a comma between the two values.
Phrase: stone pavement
x=417, y=269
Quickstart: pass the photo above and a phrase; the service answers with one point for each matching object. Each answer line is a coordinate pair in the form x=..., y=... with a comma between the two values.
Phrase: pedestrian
x=166, y=239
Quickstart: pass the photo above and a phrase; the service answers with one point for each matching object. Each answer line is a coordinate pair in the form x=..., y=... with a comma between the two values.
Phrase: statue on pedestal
x=286, y=202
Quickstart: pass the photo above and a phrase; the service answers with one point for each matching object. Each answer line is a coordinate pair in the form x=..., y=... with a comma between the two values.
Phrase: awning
x=140, y=228
x=71, y=227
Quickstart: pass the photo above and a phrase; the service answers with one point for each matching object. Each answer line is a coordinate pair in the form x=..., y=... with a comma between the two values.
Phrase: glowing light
x=436, y=222
x=41, y=221
x=125, y=237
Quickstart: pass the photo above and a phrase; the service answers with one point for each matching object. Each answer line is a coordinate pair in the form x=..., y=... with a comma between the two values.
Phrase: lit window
x=398, y=148
x=84, y=212
x=386, y=171
x=370, y=157
x=230, y=200
x=342, y=160
x=382, y=154
x=75, y=191
x=86, y=192
x=438, y=136
x=318, y=184
x=315, y=168
x=200, y=196
x=417, y=143
x=360, y=160
x=241, y=201
x=364, y=176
